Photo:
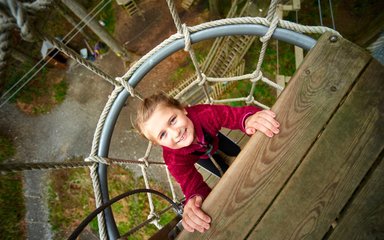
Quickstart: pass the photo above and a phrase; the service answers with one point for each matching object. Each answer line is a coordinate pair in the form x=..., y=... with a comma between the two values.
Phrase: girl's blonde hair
x=148, y=106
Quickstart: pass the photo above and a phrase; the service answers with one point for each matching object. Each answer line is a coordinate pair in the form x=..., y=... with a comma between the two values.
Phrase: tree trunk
x=109, y=40
x=60, y=8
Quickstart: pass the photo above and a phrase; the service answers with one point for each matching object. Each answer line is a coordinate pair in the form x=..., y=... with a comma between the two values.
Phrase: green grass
x=107, y=15
x=42, y=93
x=7, y=149
x=187, y=68
x=264, y=93
x=60, y=90
x=12, y=208
x=71, y=200
x=135, y=209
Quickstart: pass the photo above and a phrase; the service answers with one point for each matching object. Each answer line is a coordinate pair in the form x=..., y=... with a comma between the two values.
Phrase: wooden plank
x=280, y=79
x=260, y=171
x=243, y=141
x=208, y=177
x=333, y=169
x=212, y=180
x=299, y=56
x=236, y=135
x=364, y=217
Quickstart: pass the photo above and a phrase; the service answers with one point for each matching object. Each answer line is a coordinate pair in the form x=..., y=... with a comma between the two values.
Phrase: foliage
x=107, y=15
x=60, y=90
x=7, y=149
x=71, y=200
x=12, y=209
x=45, y=89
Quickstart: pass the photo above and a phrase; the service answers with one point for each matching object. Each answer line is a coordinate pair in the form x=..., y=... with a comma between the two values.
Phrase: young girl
x=190, y=134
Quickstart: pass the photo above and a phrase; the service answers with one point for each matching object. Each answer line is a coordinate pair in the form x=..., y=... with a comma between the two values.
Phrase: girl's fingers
x=194, y=218
x=260, y=123
x=187, y=227
x=270, y=116
x=192, y=225
x=270, y=113
x=265, y=130
x=195, y=222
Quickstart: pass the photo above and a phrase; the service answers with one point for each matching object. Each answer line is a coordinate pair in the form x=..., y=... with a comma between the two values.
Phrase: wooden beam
x=299, y=56
x=259, y=173
x=338, y=162
x=364, y=218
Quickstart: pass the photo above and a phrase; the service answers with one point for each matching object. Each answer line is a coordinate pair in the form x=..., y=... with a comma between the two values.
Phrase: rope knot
x=187, y=38
x=126, y=85
x=146, y=163
x=256, y=76
x=250, y=99
x=156, y=219
x=96, y=159
x=202, y=79
x=271, y=29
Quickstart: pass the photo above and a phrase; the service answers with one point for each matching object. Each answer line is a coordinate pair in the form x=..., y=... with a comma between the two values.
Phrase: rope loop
x=126, y=85
x=156, y=219
x=256, y=78
x=96, y=159
x=146, y=163
x=202, y=80
x=187, y=38
x=249, y=100
x=271, y=29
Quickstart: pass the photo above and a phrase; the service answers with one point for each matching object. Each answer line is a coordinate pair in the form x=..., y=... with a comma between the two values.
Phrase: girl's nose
x=174, y=132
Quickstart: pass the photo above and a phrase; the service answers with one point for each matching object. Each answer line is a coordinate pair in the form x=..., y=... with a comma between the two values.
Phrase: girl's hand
x=263, y=121
x=193, y=217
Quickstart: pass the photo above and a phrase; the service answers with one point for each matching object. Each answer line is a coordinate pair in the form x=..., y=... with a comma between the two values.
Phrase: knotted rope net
x=205, y=80
x=127, y=83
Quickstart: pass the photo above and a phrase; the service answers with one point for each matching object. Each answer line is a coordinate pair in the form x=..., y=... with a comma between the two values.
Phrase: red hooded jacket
x=211, y=118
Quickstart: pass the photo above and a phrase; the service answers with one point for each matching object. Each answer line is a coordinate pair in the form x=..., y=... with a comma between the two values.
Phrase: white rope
x=98, y=201
x=129, y=88
x=231, y=21
x=200, y=76
x=100, y=124
x=144, y=167
x=174, y=198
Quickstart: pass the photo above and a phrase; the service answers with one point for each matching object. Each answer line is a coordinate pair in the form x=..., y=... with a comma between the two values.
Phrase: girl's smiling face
x=169, y=127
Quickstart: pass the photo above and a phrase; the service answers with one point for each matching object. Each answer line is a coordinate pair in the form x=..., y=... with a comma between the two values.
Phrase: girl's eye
x=162, y=135
x=173, y=120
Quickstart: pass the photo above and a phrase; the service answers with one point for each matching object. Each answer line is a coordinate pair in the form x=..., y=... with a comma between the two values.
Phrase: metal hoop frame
x=285, y=35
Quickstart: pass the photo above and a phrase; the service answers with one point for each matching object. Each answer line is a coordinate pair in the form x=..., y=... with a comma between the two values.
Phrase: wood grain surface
x=247, y=190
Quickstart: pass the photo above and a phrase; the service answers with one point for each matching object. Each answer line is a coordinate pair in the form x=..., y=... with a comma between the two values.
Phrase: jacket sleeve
x=232, y=117
x=188, y=177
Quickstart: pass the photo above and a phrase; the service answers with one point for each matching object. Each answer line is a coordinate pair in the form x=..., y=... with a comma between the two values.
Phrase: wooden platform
x=322, y=177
